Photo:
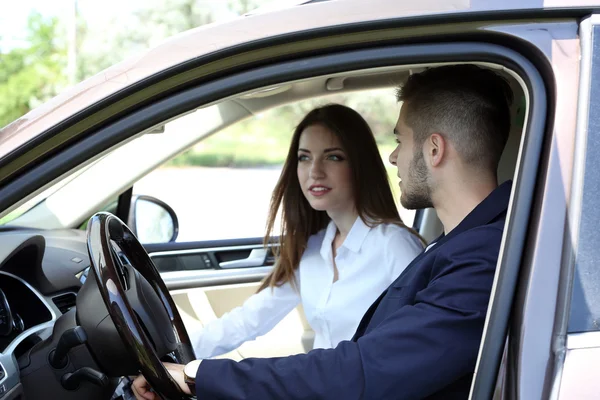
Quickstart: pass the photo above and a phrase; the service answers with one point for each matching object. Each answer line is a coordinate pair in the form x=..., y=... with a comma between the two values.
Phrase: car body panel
x=577, y=345
x=532, y=330
x=580, y=370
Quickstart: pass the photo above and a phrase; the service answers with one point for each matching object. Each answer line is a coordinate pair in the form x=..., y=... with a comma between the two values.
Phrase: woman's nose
x=316, y=170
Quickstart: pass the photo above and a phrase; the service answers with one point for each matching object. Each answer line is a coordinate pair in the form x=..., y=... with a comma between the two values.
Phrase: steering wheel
x=138, y=303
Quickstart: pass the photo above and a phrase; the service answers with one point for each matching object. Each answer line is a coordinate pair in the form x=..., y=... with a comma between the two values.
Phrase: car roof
x=252, y=27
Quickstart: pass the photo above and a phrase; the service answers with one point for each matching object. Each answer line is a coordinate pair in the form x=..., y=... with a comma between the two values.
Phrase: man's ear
x=437, y=149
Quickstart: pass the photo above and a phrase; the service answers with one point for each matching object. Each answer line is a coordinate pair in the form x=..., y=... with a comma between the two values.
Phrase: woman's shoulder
x=399, y=237
x=401, y=247
x=392, y=230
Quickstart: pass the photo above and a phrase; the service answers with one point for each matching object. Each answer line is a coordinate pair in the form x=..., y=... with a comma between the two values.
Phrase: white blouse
x=368, y=261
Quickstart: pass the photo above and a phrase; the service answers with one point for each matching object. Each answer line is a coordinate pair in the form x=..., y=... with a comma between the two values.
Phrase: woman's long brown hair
x=374, y=201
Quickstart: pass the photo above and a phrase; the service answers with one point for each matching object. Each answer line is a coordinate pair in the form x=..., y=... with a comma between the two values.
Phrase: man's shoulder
x=489, y=235
x=479, y=244
x=477, y=247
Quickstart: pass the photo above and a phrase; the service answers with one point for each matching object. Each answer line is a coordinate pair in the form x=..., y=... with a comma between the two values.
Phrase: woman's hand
x=142, y=390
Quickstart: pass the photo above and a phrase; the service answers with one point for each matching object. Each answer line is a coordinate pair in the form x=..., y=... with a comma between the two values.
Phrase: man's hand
x=143, y=391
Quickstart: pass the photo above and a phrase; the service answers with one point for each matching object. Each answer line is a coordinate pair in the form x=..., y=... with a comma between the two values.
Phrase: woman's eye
x=335, y=157
x=302, y=157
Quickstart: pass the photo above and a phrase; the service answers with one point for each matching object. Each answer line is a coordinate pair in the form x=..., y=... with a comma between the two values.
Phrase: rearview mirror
x=152, y=220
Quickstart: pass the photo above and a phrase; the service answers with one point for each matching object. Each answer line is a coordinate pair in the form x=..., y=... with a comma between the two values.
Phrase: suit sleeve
x=415, y=351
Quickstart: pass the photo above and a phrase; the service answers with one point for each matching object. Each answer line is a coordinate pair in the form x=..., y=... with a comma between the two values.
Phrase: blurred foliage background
x=59, y=51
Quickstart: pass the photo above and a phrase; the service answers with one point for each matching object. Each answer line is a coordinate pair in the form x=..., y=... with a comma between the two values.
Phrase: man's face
x=415, y=185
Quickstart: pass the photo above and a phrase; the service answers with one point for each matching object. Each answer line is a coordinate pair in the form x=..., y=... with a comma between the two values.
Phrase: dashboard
x=40, y=275
x=57, y=339
x=21, y=309
x=50, y=304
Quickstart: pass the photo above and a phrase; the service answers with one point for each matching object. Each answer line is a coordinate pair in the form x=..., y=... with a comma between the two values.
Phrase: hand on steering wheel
x=143, y=391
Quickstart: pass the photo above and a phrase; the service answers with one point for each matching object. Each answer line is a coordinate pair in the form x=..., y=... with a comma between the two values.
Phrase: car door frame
x=533, y=68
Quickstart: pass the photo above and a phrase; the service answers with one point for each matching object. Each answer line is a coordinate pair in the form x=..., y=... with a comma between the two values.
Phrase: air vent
x=65, y=302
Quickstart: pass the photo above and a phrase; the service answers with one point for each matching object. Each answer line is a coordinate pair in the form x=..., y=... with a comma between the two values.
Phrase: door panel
x=204, y=287
x=199, y=306
x=205, y=257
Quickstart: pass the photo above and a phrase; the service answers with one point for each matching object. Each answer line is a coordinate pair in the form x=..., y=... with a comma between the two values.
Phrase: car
x=69, y=169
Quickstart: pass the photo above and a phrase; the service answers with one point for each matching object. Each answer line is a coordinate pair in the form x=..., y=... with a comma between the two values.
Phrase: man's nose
x=394, y=156
x=316, y=170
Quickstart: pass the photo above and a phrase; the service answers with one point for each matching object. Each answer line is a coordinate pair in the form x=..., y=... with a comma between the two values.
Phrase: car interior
x=44, y=259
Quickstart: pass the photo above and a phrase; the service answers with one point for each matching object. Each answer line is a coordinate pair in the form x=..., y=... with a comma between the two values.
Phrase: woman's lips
x=318, y=190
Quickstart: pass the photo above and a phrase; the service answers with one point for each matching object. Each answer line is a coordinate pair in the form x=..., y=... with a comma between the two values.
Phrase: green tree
x=154, y=23
x=144, y=28
x=33, y=75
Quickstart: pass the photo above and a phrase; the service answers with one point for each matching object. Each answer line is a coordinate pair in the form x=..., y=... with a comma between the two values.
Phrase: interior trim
x=7, y=361
x=208, y=244
x=10, y=348
x=213, y=277
x=203, y=250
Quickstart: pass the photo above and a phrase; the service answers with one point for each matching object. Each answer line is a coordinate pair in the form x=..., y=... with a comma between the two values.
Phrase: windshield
x=36, y=200
x=89, y=188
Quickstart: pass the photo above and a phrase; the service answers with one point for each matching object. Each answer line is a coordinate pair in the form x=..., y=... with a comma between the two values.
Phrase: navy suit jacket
x=419, y=340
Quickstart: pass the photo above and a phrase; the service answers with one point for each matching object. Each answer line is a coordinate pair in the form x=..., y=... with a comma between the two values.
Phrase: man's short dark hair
x=467, y=104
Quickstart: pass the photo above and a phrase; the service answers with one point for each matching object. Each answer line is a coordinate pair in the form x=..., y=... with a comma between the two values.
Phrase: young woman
x=342, y=241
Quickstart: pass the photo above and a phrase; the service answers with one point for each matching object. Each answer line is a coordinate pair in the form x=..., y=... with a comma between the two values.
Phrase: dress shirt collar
x=353, y=241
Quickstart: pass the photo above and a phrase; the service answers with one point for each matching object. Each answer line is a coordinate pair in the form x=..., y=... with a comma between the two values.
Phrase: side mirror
x=152, y=220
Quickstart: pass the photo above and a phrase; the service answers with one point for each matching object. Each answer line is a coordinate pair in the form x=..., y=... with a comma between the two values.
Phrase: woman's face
x=324, y=171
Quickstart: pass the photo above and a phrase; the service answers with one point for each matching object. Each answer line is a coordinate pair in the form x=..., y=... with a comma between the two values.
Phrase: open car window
x=216, y=175
x=221, y=187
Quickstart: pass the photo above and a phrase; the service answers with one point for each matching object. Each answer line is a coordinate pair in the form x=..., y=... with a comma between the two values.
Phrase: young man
x=421, y=337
